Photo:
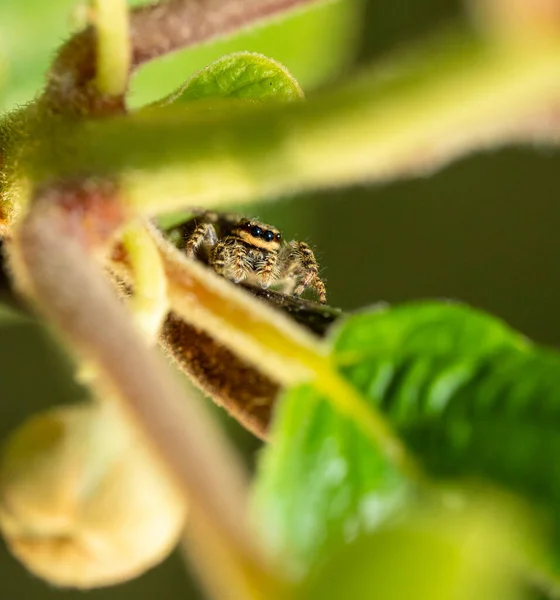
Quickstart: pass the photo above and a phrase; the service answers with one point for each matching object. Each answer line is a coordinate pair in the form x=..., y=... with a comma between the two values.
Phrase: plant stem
x=113, y=46
x=51, y=263
x=149, y=303
x=401, y=120
x=159, y=29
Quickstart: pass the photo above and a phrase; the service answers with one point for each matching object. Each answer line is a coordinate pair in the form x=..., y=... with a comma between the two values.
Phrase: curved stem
x=50, y=247
x=149, y=303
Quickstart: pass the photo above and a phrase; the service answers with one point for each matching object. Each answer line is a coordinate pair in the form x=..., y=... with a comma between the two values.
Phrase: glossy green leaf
x=470, y=397
x=245, y=75
x=433, y=327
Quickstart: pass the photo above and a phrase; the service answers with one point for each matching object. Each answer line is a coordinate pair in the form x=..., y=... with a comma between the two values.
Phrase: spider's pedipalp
x=267, y=270
x=229, y=258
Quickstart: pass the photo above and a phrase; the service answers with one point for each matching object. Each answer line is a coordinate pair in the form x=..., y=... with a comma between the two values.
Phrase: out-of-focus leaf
x=11, y=316
x=30, y=32
x=314, y=43
x=321, y=38
x=470, y=397
x=246, y=75
x=435, y=558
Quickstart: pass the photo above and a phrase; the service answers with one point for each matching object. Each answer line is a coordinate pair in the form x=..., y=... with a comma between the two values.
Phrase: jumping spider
x=243, y=249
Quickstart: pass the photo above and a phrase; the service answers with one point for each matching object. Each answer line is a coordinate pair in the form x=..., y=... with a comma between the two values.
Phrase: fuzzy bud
x=82, y=502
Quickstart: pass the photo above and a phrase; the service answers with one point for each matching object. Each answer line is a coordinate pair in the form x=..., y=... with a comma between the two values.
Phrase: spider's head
x=258, y=234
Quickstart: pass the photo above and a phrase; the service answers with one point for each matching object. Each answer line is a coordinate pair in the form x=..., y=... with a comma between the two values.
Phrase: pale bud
x=82, y=501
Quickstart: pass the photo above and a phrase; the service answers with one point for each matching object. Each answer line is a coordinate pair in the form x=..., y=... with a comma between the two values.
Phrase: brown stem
x=155, y=30
x=245, y=393
x=50, y=258
x=162, y=28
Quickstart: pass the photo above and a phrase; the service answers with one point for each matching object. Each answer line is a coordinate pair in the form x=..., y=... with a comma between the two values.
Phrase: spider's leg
x=319, y=286
x=267, y=269
x=203, y=231
x=306, y=266
x=230, y=259
x=287, y=269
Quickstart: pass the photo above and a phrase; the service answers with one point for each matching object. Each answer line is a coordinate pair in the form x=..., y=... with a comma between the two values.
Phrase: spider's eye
x=256, y=231
x=268, y=236
x=277, y=237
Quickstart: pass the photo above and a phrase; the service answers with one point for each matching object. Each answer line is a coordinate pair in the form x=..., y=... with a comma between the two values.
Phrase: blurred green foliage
x=322, y=41
x=435, y=557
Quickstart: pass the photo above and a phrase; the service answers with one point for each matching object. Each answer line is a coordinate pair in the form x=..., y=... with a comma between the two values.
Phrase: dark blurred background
x=483, y=230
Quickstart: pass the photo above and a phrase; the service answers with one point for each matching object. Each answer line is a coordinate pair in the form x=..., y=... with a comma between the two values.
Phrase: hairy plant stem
x=169, y=26
x=403, y=119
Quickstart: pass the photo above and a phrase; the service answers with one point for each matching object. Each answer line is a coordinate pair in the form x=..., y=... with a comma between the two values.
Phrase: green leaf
x=469, y=396
x=424, y=557
x=244, y=75
x=434, y=327
x=314, y=42
x=321, y=43
x=321, y=482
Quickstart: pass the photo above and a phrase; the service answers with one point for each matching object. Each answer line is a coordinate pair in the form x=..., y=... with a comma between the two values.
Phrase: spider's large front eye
x=268, y=236
x=256, y=231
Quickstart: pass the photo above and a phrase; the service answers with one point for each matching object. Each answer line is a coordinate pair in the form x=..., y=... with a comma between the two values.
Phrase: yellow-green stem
x=387, y=126
x=149, y=303
x=113, y=45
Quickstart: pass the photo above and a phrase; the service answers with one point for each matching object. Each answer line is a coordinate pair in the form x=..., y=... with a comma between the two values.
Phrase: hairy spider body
x=242, y=249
